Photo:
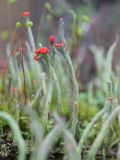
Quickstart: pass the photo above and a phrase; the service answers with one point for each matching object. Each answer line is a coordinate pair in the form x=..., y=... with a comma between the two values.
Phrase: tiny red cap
x=25, y=14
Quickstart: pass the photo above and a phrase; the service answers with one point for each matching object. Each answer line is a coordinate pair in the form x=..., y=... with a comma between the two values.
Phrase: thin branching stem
x=23, y=69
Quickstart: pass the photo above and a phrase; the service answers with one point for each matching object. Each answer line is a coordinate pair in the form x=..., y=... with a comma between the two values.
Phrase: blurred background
x=42, y=12
x=86, y=22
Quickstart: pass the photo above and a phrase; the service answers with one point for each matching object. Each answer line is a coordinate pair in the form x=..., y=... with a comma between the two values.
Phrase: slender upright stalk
x=98, y=141
x=66, y=55
x=53, y=79
x=47, y=103
x=30, y=35
x=17, y=134
x=109, y=99
x=75, y=91
x=87, y=130
x=118, y=152
x=49, y=93
x=70, y=143
x=61, y=32
x=36, y=129
x=23, y=69
x=57, y=88
x=45, y=147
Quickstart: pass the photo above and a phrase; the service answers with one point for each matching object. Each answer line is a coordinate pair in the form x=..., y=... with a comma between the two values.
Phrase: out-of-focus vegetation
x=50, y=114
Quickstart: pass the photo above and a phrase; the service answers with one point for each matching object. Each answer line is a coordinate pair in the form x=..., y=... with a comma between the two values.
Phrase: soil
x=9, y=151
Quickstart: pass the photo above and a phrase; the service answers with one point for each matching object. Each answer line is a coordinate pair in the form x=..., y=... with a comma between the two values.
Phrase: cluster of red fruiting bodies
x=42, y=50
x=45, y=50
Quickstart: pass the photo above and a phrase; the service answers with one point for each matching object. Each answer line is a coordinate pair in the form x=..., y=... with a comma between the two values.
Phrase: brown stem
x=23, y=69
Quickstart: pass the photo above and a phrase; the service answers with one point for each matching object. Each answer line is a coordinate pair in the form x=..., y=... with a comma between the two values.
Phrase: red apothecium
x=59, y=45
x=42, y=50
x=52, y=39
x=25, y=14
